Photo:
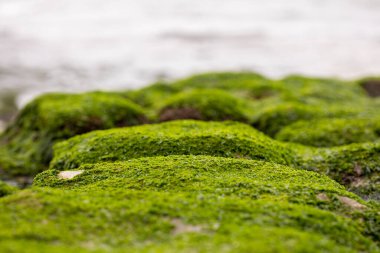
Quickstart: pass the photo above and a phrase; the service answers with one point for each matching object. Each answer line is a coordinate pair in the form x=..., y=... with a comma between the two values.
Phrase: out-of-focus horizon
x=77, y=45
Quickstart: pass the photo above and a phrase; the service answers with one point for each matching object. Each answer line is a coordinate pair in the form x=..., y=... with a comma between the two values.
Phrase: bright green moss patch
x=26, y=145
x=122, y=219
x=205, y=174
x=331, y=132
x=224, y=139
x=206, y=104
x=6, y=189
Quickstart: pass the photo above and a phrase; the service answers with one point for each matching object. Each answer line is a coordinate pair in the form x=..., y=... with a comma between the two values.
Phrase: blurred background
x=77, y=45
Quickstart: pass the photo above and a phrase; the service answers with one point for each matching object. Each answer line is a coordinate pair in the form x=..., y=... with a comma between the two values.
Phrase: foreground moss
x=187, y=204
x=143, y=220
x=225, y=139
x=25, y=147
x=206, y=174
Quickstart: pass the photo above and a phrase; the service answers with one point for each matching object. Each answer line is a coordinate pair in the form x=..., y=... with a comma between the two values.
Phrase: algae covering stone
x=25, y=147
x=184, y=204
x=205, y=104
x=244, y=84
x=332, y=132
x=272, y=118
x=356, y=165
x=194, y=186
x=187, y=137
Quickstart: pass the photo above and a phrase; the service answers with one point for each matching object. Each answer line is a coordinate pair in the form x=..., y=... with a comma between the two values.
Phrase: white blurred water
x=76, y=45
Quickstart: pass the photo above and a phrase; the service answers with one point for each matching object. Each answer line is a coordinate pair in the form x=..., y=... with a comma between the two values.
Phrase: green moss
x=225, y=139
x=331, y=132
x=6, y=189
x=244, y=84
x=152, y=95
x=205, y=104
x=205, y=174
x=314, y=90
x=354, y=165
x=273, y=118
x=121, y=219
x=26, y=145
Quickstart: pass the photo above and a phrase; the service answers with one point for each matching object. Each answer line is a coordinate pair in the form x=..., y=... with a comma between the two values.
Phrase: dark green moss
x=6, y=189
x=309, y=89
x=273, y=118
x=356, y=165
x=331, y=132
x=152, y=95
x=244, y=84
x=187, y=137
x=25, y=147
x=205, y=104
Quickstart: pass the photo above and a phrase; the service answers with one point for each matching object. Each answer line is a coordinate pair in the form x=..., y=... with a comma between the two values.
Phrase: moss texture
x=185, y=203
x=187, y=137
x=354, y=165
x=103, y=220
x=331, y=132
x=191, y=185
x=26, y=144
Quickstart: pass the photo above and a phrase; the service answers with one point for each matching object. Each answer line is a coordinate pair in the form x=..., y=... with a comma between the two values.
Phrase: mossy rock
x=6, y=189
x=313, y=90
x=149, y=221
x=272, y=118
x=152, y=95
x=207, y=174
x=205, y=104
x=356, y=165
x=25, y=147
x=187, y=137
x=221, y=176
x=184, y=203
x=331, y=132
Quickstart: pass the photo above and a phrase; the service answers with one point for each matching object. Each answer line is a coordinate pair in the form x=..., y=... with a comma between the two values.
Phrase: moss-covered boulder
x=244, y=84
x=25, y=147
x=186, y=204
x=205, y=104
x=187, y=137
x=331, y=132
x=312, y=90
x=153, y=95
x=272, y=118
x=356, y=165
x=207, y=174
x=149, y=221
